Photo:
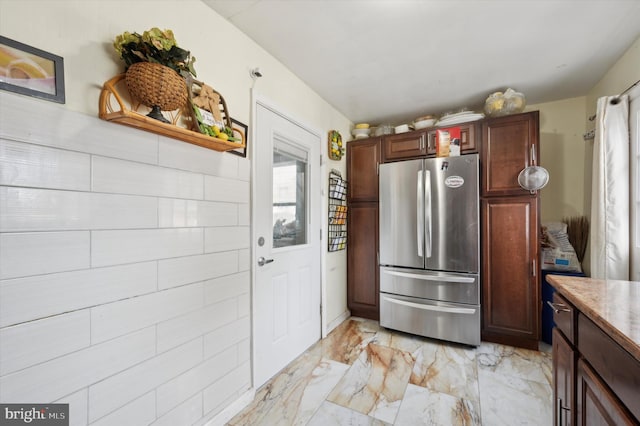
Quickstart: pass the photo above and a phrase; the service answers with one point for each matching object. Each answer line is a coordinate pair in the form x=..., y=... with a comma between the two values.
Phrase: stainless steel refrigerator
x=430, y=248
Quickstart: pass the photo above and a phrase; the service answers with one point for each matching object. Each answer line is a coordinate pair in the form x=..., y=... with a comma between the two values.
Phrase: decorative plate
x=336, y=149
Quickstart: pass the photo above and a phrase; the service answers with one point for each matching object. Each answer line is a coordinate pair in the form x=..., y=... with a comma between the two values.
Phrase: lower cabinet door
x=362, y=265
x=510, y=271
x=564, y=363
x=596, y=404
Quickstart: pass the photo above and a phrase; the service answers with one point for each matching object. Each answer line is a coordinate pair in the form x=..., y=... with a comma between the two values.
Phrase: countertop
x=611, y=304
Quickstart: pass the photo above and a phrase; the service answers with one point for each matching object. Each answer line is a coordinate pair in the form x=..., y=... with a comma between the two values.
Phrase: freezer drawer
x=443, y=286
x=447, y=321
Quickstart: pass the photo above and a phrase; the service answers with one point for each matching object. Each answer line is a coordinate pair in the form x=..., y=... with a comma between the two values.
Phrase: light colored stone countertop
x=611, y=304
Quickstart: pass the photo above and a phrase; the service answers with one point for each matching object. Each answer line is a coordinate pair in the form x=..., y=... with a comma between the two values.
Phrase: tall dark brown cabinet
x=363, y=158
x=511, y=301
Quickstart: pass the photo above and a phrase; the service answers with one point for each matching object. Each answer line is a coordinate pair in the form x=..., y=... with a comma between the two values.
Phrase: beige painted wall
x=624, y=73
x=562, y=152
x=82, y=32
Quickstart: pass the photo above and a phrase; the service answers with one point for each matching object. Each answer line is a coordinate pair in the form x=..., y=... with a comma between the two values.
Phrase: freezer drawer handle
x=431, y=277
x=466, y=311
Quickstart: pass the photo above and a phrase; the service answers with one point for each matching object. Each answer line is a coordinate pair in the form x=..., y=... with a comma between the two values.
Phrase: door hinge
x=320, y=234
x=321, y=159
x=534, y=272
x=377, y=168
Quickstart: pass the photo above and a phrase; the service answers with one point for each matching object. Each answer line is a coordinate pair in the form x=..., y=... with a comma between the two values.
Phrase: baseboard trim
x=336, y=322
x=234, y=408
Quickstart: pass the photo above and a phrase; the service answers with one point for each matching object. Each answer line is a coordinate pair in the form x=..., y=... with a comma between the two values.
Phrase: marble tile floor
x=364, y=374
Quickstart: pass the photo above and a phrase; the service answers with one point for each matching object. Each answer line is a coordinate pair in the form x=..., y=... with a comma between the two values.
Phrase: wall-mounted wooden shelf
x=116, y=106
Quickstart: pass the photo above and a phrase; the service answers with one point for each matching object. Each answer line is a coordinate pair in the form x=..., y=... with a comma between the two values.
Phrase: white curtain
x=634, y=133
x=610, y=190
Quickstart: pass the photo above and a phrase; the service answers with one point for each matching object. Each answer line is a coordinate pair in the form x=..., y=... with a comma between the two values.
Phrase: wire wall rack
x=337, y=212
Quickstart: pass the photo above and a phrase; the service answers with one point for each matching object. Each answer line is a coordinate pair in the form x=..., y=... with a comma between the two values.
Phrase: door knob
x=262, y=261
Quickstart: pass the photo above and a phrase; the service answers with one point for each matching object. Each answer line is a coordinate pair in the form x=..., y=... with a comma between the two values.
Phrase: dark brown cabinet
x=404, y=145
x=468, y=135
x=363, y=159
x=422, y=143
x=597, y=405
x=511, y=302
x=595, y=381
x=507, y=145
x=614, y=366
x=510, y=296
x=362, y=265
x=564, y=360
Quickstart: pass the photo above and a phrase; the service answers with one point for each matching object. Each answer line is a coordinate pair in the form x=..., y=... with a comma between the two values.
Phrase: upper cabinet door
x=507, y=144
x=404, y=145
x=363, y=158
x=468, y=134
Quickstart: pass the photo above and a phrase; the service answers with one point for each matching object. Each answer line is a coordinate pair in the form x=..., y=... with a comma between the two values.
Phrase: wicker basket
x=156, y=85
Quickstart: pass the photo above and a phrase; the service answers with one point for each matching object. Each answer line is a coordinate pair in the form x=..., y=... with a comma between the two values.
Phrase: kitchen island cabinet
x=564, y=361
x=363, y=159
x=596, y=351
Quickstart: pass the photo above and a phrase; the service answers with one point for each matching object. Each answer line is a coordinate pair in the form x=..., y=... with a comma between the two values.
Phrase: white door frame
x=257, y=98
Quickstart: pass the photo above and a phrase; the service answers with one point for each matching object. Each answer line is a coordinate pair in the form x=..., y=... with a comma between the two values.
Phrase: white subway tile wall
x=77, y=407
x=124, y=258
x=186, y=413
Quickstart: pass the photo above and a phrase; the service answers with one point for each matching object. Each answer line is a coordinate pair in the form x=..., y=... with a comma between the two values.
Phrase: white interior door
x=286, y=242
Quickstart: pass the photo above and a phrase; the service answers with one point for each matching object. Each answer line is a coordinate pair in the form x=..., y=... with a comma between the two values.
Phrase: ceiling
x=390, y=61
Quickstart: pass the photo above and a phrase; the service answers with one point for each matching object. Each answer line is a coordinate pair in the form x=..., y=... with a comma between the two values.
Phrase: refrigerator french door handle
x=427, y=210
x=467, y=311
x=419, y=214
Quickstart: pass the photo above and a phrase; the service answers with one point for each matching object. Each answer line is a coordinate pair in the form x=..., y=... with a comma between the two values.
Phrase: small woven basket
x=156, y=85
x=194, y=87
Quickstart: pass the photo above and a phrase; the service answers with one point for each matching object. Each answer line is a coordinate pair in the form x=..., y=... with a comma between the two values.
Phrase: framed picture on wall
x=238, y=126
x=30, y=71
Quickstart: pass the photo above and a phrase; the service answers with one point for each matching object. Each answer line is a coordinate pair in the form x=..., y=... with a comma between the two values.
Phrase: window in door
x=289, y=195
